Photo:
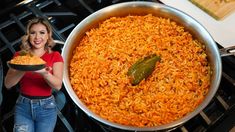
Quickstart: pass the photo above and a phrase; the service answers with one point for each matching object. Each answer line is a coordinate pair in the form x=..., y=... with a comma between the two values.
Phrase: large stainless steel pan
x=141, y=8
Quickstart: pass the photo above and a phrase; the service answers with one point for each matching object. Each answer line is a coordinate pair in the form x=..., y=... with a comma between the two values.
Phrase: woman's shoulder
x=55, y=55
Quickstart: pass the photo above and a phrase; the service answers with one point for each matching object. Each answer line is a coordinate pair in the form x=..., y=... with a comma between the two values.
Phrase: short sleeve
x=57, y=57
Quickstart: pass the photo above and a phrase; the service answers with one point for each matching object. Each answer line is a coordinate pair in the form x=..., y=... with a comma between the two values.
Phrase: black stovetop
x=219, y=115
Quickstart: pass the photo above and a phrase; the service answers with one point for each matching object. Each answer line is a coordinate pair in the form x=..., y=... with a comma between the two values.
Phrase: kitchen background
x=219, y=115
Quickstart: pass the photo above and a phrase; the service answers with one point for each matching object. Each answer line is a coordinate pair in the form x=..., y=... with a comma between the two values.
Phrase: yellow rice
x=99, y=65
x=27, y=60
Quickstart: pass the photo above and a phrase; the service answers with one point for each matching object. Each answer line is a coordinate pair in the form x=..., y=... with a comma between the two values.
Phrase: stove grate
x=219, y=115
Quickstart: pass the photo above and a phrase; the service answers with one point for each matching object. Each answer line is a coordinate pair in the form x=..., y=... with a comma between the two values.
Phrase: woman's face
x=38, y=36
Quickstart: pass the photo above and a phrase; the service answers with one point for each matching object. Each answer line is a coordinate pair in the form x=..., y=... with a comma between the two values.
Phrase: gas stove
x=219, y=115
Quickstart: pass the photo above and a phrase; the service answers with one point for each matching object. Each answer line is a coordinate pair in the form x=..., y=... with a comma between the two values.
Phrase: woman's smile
x=37, y=41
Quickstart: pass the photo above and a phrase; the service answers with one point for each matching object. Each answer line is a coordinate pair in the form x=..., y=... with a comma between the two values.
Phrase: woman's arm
x=13, y=77
x=54, y=80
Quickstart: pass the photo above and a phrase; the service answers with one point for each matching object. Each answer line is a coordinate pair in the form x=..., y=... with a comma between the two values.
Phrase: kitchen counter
x=221, y=30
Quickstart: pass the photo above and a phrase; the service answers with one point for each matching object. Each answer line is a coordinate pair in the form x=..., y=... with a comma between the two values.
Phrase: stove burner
x=219, y=115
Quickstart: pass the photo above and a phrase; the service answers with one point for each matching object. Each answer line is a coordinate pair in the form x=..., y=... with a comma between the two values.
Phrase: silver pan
x=143, y=8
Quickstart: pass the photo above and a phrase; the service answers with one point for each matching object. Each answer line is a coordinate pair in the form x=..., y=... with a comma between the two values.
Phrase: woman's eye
x=32, y=32
x=43, y=32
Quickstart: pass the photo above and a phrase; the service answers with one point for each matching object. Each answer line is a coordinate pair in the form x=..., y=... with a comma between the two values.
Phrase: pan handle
x=227, y=51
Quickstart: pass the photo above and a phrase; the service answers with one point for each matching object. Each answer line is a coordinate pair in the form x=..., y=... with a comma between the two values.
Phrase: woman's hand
x=53, y=75
x=13, y=77
x=45, y=71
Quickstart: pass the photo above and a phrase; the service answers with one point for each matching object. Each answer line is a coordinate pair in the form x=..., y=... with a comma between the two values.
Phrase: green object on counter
x=142, y=68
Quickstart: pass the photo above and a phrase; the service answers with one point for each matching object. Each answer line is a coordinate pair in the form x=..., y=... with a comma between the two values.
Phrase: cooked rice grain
x=101, y=60
x=27, y=60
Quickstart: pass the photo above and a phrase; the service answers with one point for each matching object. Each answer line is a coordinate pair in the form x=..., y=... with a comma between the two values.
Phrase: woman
x=35, y=109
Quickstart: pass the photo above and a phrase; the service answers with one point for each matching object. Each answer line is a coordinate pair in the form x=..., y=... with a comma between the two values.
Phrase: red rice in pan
x=99, y=65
